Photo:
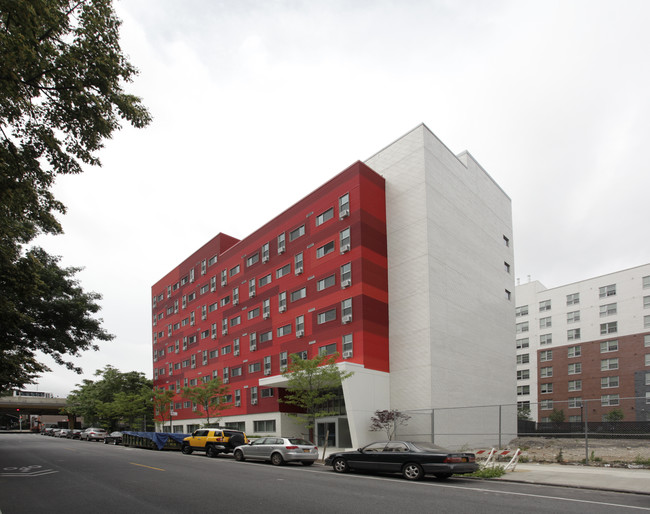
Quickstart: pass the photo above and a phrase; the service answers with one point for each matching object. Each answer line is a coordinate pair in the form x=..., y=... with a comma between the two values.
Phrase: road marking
x=143, y=466
x=26, y=471
x=510, y=493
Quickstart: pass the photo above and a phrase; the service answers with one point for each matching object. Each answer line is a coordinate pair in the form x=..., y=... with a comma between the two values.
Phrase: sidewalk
x=585, y=477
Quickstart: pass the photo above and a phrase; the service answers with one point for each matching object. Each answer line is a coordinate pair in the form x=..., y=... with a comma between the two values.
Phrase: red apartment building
x=313, y=280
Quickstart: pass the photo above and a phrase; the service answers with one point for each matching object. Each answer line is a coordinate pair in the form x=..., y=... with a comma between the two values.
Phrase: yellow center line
x=143, y=466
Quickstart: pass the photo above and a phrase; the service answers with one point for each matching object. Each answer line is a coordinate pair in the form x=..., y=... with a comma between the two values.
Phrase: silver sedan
x=279, y=450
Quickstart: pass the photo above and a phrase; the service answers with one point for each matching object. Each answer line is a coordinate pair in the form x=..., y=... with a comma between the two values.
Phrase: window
x=235, y=346
x=205, y=334
x=264, y=426
x=344, y=205
x=300, y=324
x=252, y=259
x=522, y=390
x=647, y=359
x=573, y=317
x=254, y=395
x=344, y=240
x=266, y=392
x=191, y=339
x=282, y=301
x=347, y=343
x=608, y=346
x=226, y=375
x=524, y=358
x=237, y=397
x=265, y=280
x=545, y=322
x=546, y=372
x=225, y=301
x=252, y=341
x=573, y=334
x=267, y=367
x=234, y=270
x=296, y=233
x=607, y=310
x=328, y=349
x=523, y=374
x=545, y=339
x=646, y=341
x=326, y=282
x=212, y=260
x=266, y=336
x=574, y=351
x=325, y=216
x=575, y=385
x=224, y=277
x=646, y=282
x=608, y=364
x=575, y=419
x=545, y=305
x=646, y=321
x=285, y=330
x=546, y=405
x=298, y=263
x=213, y=307
x=266, y=308
x=609, y=400
x=226, y=350
x=608, y=328
x=236, y=372
x=608, y=382
x=254, y=313
x=235, y=295
x=251, y=288
x=283, y=361
x=546, y=355
x=573, y=299
x=325, y=249
x=326, y=316
x=346, y=275
x=284, y=270
x=192, y=275
x=522, y=327
x=191, y=297
x=546, y=388
x=646, y=302
x=235, y=321
x=346, y=310
x=508, y=294
x=575, y=368
x=506, y=267
x=506, y=241
x=265, y=252
x=647, y=378
x=522, y=343
x=299, y=294
x=606, y=291
x=575, y=402
x=281, y=243
x=521, y=311
x=254, y=367
x=213, y=283
x=204, y=289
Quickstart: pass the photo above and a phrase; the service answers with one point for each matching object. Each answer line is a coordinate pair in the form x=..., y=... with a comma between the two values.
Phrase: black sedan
x=412, y=460
x=113, y=438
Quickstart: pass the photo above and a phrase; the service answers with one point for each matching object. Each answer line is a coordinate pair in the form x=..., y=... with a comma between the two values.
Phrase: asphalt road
x=47, y=475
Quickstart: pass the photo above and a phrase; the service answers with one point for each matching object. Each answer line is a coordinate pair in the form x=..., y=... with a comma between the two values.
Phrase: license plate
x=306, y=451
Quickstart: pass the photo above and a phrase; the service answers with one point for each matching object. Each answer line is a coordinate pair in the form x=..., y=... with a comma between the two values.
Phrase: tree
x=61, y=77
x=557, y=416
x=615, y=415
x=210, y=396
x=311, y=384
x=162, y=399
x=114, y=399
x=388, y=421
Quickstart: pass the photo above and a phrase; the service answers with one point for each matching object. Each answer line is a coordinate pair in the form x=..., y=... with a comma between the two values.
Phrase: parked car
x=63, y=432
x=113, y=438
x=213, y=441
x=54, y=432
x=412, y=460
x=279, y=450
x=93, y=434
x=74, y=434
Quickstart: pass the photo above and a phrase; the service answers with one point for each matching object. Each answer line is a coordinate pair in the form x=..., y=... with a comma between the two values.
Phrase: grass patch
x=641, y=461
x=495, y=472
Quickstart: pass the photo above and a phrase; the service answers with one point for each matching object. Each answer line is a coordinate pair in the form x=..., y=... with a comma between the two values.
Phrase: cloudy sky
x=258, y=102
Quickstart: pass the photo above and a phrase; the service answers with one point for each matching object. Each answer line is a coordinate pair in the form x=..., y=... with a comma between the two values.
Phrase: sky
x=256, y=103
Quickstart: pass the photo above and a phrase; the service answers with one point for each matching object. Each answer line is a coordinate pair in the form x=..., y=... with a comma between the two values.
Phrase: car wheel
x=105, y=441
x=211, y=451
x=239, y=455
x=236, y=440
x=307, y=462
x=276, y=459
x=185, y=449
x=115, y=442
x=412, y=471
x=340, y=465
x=442, y=476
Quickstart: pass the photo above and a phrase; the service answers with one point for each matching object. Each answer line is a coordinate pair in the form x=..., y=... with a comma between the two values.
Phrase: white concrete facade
x=450, y=276
x=630, y=299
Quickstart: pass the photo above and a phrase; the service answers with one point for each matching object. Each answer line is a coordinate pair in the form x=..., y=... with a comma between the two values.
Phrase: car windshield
x=293, y=440
x=428, y=447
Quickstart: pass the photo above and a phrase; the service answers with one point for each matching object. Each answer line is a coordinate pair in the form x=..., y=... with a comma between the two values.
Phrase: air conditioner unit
x=265, y=258
x=281, y=249
x=252, y=294
x=224, y=283
x=253, y=347
x=344, y=213
x=226, y=380
x=235, y=301
x=253, y=402
x=346, y=283
x=266, y=315
x=347, y=318
x=237, y=404
x=214, y=336
x=300, y=333
x=345, y=248
x=224, y=332
x=298, y=270
x=347, y=354
x=235, y=353
x=267, y=371
x=283, y=308
x=192, y=323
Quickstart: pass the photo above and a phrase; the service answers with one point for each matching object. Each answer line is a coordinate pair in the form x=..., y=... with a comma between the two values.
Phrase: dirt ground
x=602, y=452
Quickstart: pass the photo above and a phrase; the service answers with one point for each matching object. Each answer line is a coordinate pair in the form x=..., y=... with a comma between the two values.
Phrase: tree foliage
x=114, y=399
x=62, y=73
x=615, y=415
x=311, y=385
x=210, y=397
x=388, y=421
x=162, y=399
x=557, y=416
